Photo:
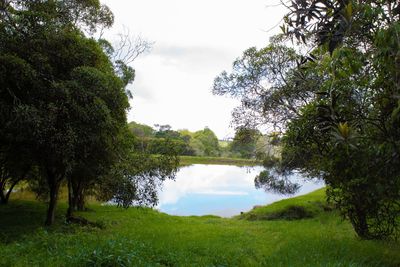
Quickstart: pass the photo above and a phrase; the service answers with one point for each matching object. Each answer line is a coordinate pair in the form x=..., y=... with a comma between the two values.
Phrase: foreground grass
x=305, y=206
x=144, y=237
x=188, y=160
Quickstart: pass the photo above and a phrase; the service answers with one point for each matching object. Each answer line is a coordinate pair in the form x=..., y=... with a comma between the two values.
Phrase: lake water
x=219, y=190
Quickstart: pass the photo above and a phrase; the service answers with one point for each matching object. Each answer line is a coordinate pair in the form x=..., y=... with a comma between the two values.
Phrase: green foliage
x=340, y=120
x=61, y=98
x=183, y=142
x=189, y=160
x=207, y=142
x=141, y=130
x=266, y=83
x=137, y=175
x=347, y=135
x=162, y=146
x=197, y=146
x=267, y=181
x=244, y=142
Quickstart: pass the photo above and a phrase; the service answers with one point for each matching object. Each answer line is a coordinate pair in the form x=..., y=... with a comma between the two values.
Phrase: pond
x=220, y=190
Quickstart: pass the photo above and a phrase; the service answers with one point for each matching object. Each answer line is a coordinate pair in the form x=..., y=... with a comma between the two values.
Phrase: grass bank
x=189, y=160
x=144, y=237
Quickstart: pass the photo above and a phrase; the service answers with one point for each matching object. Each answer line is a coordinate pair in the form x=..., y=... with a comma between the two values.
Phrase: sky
x=194, y=41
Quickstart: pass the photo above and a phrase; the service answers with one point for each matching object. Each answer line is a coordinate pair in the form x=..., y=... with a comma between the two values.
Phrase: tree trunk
x=362, y=230
x=54, y=186
x=78, y=200
x=70, y=199
x=2, y=195
x=7, y=196
x=81, y=201
x=359, y=222
x=3, y=200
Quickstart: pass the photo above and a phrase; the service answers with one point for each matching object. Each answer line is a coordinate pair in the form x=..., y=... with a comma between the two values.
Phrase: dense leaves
x=63, y=105
x=351, y=136
x=245, y=142
x=137, y=176
x=338, y=107
x=183, y=142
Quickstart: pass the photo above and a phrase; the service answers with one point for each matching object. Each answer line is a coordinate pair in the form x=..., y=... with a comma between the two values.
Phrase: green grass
x=144, y=237
x=313, y=204
x=189, y=160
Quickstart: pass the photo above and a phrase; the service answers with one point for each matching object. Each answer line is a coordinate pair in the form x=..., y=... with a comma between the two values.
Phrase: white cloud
x=209, y=180
x=193, y=59
x=222, y=193
x=194, y=42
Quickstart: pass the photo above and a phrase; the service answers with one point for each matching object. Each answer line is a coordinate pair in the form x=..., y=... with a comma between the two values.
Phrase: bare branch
x=129, y=47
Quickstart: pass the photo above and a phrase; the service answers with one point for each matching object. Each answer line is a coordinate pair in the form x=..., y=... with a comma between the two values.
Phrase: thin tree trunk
x=81, y=201
x=78, y=196
x=70, y=199
x=7, y=196
x=2, y=197
x=54, y=186
x=75, y=189
x=360, y=224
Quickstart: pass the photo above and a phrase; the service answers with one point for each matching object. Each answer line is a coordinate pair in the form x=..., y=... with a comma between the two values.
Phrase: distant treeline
x=247, y=143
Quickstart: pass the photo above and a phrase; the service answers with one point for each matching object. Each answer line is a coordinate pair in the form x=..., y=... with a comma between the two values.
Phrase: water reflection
x=219, y=190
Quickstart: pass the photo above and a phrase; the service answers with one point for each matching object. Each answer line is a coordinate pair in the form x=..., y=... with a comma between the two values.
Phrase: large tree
x=350, y=133
x=268, y=86
x=60, y=95
x=346, y=131
x=245, y=141
x=206, y=142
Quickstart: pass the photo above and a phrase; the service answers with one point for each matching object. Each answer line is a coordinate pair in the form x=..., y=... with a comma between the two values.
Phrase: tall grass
x=145, y=237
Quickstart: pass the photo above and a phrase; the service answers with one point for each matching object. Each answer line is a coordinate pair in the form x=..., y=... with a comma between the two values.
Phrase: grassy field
x=144, y=237
x=188, y=160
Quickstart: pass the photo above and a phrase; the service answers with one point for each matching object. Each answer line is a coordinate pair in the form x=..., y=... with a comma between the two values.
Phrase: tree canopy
x=337, y=105
x=63, y=102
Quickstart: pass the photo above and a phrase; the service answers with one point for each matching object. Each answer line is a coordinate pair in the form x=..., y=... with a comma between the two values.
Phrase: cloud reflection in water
x=218, y=190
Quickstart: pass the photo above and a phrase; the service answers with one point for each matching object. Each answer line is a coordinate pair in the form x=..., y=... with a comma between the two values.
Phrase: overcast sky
x=194, y=41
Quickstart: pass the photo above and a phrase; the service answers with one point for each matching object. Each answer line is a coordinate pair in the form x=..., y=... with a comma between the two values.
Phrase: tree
x=87, y=173
x=123, y=53
x=137, y=176
x=141, y=130
x=165, y=131
x=268, y=86
x=352, y=136
x=271, y=90
x=342, y=125
x=60, y=95
x=15, y=166
x=207, y=142
x=244, y=142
